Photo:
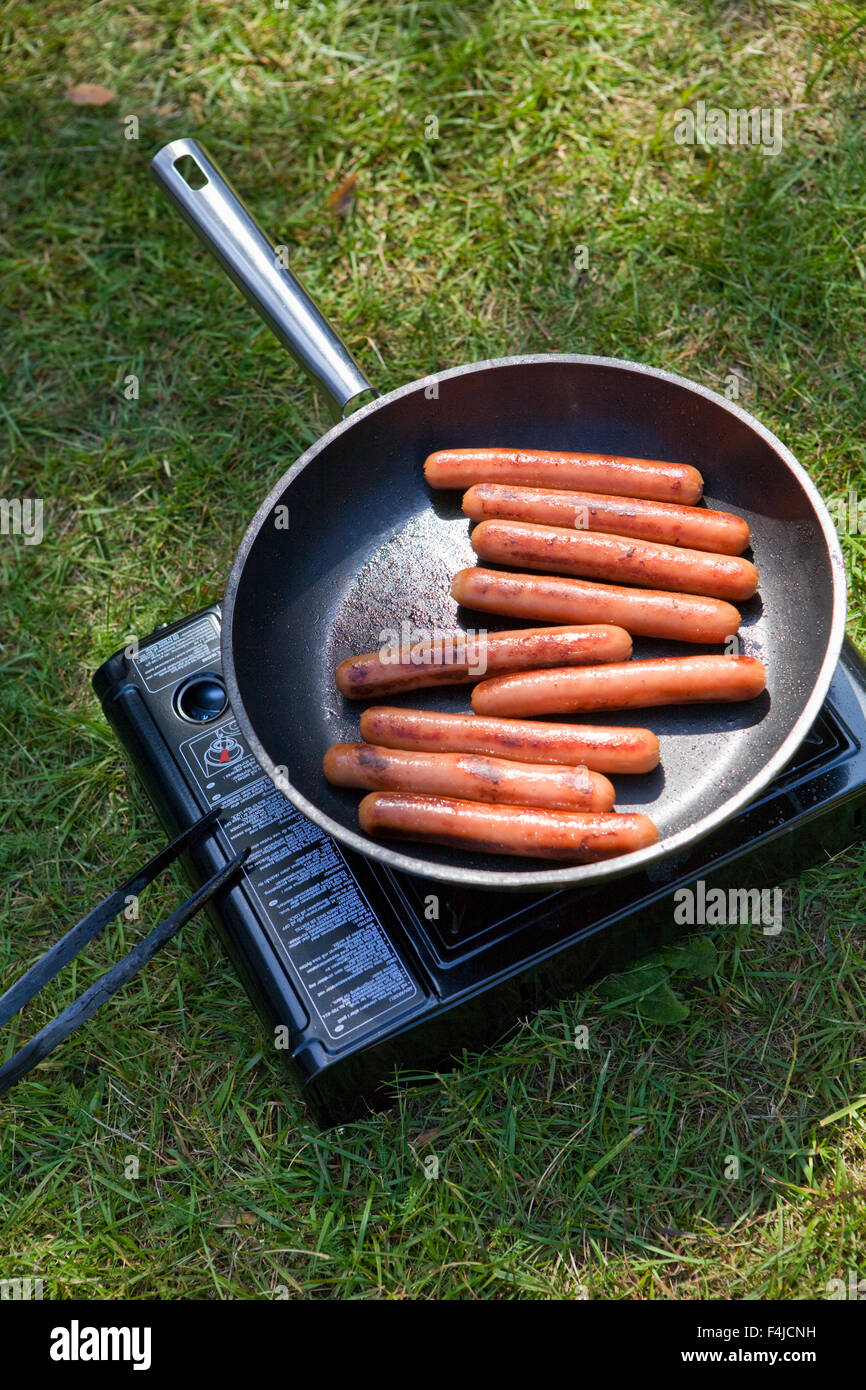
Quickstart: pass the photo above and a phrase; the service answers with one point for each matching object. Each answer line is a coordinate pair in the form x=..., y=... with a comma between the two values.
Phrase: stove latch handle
x=69, y=946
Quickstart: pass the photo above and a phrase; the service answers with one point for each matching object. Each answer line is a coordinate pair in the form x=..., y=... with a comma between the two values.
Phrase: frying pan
x=350, y=543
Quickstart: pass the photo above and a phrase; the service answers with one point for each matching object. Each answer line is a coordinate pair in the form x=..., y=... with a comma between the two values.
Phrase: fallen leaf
x=89, y=94
x=426, y=1137
x=237, y=1217
x=342, y=198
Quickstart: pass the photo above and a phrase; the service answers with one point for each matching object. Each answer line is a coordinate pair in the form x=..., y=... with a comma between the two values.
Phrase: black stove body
x=358, y=971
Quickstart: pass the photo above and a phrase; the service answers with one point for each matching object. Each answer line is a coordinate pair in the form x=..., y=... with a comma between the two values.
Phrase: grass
x=561, y=1173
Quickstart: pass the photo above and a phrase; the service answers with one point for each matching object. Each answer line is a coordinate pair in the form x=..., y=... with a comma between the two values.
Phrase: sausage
x=575, y=836
x=522, y=740
x=697, y=527
x=551, y=598
x=607, y=473
x=468, y=777
x=670, y=680
x=527, y=545
x=460, y=658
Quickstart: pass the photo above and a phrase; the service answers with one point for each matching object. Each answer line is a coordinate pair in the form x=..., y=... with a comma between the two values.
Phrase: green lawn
x=562, y=1173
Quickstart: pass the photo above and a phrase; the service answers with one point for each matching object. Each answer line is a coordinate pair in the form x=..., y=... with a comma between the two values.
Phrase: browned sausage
x=468, y=777
x=607, y=473
x=528, y=545
x=697, y=527
x=522, y=740
x=670, y=680
x=461, y=659
x=643, y=612
x=574, y=836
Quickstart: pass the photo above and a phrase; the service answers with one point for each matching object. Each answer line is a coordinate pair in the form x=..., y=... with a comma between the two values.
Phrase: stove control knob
x=201, y=699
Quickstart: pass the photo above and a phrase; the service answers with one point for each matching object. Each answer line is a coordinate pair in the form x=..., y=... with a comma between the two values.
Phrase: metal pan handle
x=227, y=228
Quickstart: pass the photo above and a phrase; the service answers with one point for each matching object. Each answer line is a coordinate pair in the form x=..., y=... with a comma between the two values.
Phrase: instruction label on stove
x=347, y=968
x=192, y=648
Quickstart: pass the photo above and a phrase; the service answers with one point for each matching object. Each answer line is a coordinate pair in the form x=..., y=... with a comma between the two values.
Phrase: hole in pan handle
x=210, y=205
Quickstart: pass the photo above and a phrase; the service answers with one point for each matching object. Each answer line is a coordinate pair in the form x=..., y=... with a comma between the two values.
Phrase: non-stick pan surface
x=351, y=543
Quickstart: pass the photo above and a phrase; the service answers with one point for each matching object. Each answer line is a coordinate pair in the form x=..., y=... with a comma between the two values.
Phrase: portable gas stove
x=359, y=970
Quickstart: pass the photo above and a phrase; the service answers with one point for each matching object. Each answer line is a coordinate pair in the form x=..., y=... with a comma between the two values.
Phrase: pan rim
x=573, y=875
